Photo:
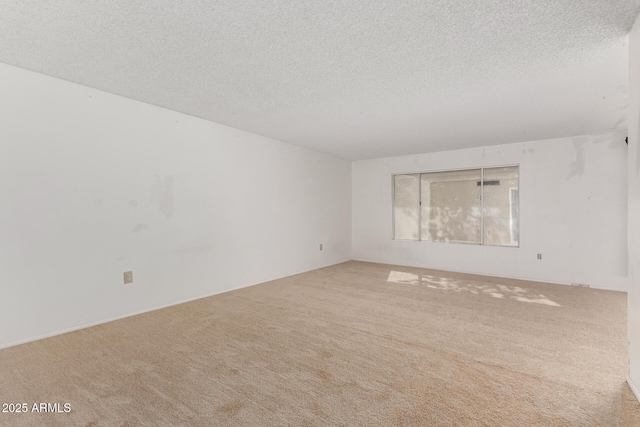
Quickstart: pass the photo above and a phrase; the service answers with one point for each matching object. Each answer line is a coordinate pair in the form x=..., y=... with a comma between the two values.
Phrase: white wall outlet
x=539, y=256
x=320, y=246
x=128, y=277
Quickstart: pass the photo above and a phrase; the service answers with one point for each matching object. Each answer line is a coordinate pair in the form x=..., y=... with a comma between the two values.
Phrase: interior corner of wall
x=633, y=387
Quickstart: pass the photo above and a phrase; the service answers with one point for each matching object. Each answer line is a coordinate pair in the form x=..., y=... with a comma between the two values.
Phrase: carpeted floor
x=355, y=344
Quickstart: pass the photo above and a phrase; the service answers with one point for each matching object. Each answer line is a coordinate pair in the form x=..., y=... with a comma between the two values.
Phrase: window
x=475, y=206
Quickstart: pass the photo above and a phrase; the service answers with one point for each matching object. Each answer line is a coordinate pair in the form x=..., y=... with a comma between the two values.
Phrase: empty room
x=297, y=213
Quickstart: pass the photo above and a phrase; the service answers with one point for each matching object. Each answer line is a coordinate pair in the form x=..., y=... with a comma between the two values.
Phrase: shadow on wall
x=477, y=288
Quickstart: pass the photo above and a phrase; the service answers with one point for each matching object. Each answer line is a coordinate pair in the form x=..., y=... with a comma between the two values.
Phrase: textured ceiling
x=356, y=79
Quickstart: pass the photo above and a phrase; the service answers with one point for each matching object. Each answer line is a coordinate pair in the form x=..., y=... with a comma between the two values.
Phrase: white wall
x=634, y=209
x=573, y=210
x=92, y=184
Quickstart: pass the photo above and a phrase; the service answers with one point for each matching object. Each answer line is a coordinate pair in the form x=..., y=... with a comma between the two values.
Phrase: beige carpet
x=356, y=344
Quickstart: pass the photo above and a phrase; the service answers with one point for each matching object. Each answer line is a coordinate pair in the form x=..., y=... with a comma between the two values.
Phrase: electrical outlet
x=320, y=246
x=128, y=277
x=539, y=256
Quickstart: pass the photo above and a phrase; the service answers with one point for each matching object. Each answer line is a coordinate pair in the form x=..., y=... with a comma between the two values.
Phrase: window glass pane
x=451, y=206
x=406, y=206
x=501, y=206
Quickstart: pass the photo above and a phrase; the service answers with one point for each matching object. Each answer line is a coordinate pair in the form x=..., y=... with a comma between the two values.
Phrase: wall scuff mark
x=140, y=227
x=577, y=168
x=162, y=194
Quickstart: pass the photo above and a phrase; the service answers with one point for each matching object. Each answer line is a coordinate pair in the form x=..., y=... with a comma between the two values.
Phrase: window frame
x=482, y=168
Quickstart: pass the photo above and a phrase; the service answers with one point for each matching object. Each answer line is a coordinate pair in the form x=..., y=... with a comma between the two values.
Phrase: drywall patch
x=98, y=201
x=139, y=227
x=617, y=143
x=577, y=168
x=621, y=122
x=162, y=194
x=133, y=203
